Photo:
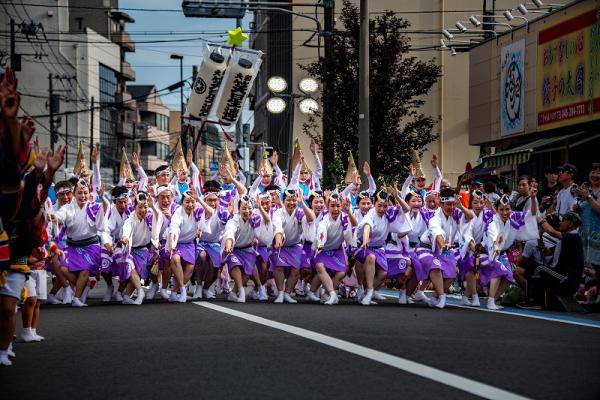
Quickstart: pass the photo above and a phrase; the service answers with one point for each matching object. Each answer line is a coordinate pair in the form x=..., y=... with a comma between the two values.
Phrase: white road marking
x=515, y=313
x=412, y=367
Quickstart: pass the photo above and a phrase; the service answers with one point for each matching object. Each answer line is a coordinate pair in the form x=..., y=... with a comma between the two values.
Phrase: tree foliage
x=398, y=84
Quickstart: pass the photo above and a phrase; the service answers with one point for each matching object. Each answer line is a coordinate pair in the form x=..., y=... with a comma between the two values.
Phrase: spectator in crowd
x=549, y=191
x=589, y=208
x=562, y=276
x=491, y=193
x=521, y=199
x=565, y=199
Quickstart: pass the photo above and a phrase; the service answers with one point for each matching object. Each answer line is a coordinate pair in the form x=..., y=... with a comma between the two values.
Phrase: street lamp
x=307, y=105
x=181, y=130
x=276, y=105
x=276, y=84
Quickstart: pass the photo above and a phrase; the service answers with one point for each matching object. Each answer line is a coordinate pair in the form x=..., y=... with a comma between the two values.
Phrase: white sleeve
x=277, y=223
x=347, y=190
x=127, y=228
x=406, y=186
x=105, y=235
x=265, y=231
x=231, y=228
x=295, y=176
x=530, y=230
x=99, y=224
x=435, y=230
x=318, y=167
x=321, y=237
x=492, y=235
x=143, y=184
x=175, y=226
x=157, y=221
x=278, y=175
x=372, y=186
x=401, y=224
x=349, y=236
x=96, y=178
x=254, y=188
x=62, y=215
x=438, y=179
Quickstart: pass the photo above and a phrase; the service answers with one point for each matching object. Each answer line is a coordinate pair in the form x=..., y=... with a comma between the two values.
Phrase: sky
x=151, y=61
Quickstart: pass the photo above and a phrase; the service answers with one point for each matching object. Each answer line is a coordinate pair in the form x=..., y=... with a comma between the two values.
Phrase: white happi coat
x=81, y=223
x=519, y=226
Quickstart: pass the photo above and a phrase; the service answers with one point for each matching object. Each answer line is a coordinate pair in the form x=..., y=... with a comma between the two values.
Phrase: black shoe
x=529, y=305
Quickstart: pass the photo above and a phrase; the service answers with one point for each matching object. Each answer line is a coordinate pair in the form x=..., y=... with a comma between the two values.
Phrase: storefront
x=534, y=93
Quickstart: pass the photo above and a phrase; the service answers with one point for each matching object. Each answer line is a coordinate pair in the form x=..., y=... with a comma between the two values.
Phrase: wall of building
x=33, y=77
x=484, y=87
x=448, y=101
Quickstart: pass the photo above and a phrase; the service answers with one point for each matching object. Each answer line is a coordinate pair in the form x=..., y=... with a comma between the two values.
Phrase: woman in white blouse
x=141, y=232
x=240, y=235
x=439, y=252
x=334, y=233
x=187, y=224
x=373, y=231
x=83, y=220
x=286, y=254
x=506, y=228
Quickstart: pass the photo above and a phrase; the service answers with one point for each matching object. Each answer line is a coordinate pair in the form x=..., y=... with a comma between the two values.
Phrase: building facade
x=73, y=58
x=151, y=137
x=447, y=102
x=535, y=94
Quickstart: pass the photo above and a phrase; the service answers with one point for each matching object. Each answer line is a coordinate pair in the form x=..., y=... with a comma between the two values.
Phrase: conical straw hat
x=179, y=158
x=80, y=167
x=125, y=171
x=351, y=170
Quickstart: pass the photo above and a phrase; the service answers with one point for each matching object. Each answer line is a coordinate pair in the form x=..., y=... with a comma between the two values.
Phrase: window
x=159, y=150
x=161, y=122
x=108, y=113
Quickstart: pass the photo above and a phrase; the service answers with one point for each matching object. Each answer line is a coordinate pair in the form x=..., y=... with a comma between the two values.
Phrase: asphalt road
x=167, y=351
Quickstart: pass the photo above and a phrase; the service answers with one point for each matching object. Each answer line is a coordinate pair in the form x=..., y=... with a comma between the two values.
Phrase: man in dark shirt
x=548, y=192
x=561, y=276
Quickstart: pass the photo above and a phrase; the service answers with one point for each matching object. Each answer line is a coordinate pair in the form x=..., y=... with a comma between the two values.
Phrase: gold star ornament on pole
x=236, y=37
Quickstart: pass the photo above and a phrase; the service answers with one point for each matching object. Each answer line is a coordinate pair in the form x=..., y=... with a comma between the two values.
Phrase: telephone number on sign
x=561, y=114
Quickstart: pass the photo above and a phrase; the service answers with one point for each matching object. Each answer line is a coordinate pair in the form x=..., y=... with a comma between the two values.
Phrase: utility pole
x=363, y=86
x=13, y=59
x=51, y=106
x=91, y=129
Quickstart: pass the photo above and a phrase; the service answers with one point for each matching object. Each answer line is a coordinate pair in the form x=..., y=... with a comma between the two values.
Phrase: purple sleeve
x=255, y=220
x=223, y=214
x=426, y=214
x=91, y=210
x=198, y=213
x=149, y=217
x=345, y=220
x=392, y=213
x=517, y=219
x=299, y=214
x=488, y=216
x=457, y=215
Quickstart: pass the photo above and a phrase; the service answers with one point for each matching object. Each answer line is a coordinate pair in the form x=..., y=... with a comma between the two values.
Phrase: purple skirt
x=489, y=269
x=379, y=252
x=85, y=258
x=333, y=260
x=106, y=261
x=187, y=252
x=164, y=258
x=398, y=261
x=446, y=262
x=307, y=255
x=262, y=254
x=213, y=252
x=288, y=256
x=245, y=259
x=466, y=264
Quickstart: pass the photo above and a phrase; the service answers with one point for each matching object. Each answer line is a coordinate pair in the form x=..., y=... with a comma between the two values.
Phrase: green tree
x=398, y=83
